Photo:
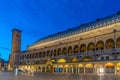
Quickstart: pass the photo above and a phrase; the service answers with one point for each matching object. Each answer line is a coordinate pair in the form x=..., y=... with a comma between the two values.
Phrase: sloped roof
x=99, y=22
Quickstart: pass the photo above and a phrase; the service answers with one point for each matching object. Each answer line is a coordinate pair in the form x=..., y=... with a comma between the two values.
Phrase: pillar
x=84, y=70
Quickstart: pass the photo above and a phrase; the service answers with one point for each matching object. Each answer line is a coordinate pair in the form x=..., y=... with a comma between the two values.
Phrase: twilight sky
x=39, y=18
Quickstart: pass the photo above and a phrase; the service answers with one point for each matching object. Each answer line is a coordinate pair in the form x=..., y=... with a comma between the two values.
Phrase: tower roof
x=14, y=29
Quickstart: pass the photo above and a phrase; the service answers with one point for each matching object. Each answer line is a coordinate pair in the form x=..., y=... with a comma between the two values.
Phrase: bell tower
x=16, y=41
x=16, y=47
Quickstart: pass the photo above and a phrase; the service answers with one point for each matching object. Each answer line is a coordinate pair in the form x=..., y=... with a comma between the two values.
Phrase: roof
x=99, y=22
x=14, y=29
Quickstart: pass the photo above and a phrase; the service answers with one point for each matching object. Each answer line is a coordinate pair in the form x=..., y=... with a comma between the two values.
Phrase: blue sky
x=39, y=18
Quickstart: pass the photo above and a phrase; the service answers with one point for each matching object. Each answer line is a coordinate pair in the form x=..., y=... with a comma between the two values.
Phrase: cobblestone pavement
x=55, y=76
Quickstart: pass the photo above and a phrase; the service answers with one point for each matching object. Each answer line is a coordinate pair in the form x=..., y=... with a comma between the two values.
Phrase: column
x=78, y=70
x=84, y=70
x=72, y=69
x=95, y=44
x=115, y=70
x=45, y=69
x=41, y=69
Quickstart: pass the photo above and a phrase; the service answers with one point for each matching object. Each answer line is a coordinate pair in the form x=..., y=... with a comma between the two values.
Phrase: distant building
x=5, y=67
x=1, y=64
x=89, y=48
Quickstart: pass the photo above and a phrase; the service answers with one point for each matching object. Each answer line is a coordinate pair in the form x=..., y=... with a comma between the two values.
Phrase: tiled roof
x=99, y=22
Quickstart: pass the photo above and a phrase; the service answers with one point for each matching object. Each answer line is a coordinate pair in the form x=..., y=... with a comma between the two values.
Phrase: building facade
x=89, y=48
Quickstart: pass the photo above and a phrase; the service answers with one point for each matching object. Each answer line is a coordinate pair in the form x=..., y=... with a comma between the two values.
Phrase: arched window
x=109, y=44
x=91, y=46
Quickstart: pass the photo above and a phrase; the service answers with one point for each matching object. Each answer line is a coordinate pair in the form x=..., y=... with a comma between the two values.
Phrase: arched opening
x=40, y=54
x=55, y=68
x=36, y=55
x=89, y=68
x=80, y=68
x=33, y=55
x=109, y=68
x=60, y=68
x=100, y=45
x=61, y=61
x=118, y=42
x=30, y=56
x=72, y=69
x=64, y=50
x=109, y=44
x=66, y=68
x=74, y=60
x=83, y=48
x=59, y=52
x=44, y=54
x=70, y=50
x=87, y=58
x=118, y=68
x=99, y=68
x=91, y=46
x=51, y=53
x=48, y=53
x=76, y=49
x=55, y=52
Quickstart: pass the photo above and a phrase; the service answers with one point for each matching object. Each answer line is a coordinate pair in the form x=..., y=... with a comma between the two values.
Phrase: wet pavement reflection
x=56, y=76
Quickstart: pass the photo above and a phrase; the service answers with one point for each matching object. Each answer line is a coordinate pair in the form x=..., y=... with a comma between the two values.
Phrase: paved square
x=55, y=76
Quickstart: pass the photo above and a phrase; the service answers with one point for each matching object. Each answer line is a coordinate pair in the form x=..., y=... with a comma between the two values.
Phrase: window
x=102, y=58
x=107, y=57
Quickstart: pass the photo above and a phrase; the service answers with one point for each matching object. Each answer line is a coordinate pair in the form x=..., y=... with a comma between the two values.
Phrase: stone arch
x=87, y=58
x=59, y=52
x=74, y=60
x=64, y=50
x=30, y=56
x=118, y=42
x=109, y=44
x=66, y=68
x=91, y=46
x=89, y=68
x=33, y=55
x=61, y=60
x=76, y=49
x=54, y=68
x=99, y=68
x=83, y=48
x=70, y=51
x=100, y=45
x=118, y=68
x=60, y=68
x=25, y=57
x=44, y=54
x=80, y=65
x=109, y=68
x=48, y=53
x=22, y=57
x=88, y=65
x=55, y=52
x=51, y=53
x=36, y=55
x=40, y=54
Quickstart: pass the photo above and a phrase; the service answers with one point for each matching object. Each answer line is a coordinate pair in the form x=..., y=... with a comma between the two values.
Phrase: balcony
x=73, y=55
